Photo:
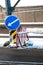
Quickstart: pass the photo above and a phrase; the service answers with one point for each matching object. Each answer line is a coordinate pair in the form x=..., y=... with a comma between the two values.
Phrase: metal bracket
x=9, y=8
x=13, y=8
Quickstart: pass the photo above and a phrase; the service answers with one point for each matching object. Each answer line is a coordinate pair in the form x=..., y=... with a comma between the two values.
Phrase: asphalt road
x=24, y=55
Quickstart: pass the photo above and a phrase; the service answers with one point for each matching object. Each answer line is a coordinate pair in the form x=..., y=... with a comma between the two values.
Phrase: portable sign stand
x=9, y=12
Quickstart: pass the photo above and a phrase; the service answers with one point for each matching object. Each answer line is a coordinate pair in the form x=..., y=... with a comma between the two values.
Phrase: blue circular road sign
x=12, y=22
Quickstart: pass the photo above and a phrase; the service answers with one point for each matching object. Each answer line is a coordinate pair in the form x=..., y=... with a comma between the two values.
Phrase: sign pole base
x=13, y=40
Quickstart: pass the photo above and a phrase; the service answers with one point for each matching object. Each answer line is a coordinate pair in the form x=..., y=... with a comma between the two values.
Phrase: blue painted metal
x=12, y=22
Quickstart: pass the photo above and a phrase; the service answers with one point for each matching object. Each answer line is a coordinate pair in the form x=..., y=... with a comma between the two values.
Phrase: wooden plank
x=39, y=16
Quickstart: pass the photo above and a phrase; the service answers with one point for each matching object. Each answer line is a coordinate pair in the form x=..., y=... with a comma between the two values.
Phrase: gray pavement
x=23, y=55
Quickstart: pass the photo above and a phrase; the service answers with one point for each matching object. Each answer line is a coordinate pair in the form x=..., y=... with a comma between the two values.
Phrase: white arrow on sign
x=10, y=24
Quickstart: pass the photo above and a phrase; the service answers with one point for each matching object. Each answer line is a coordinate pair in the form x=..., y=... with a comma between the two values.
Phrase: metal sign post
x=8, y=7
x=9, y=12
